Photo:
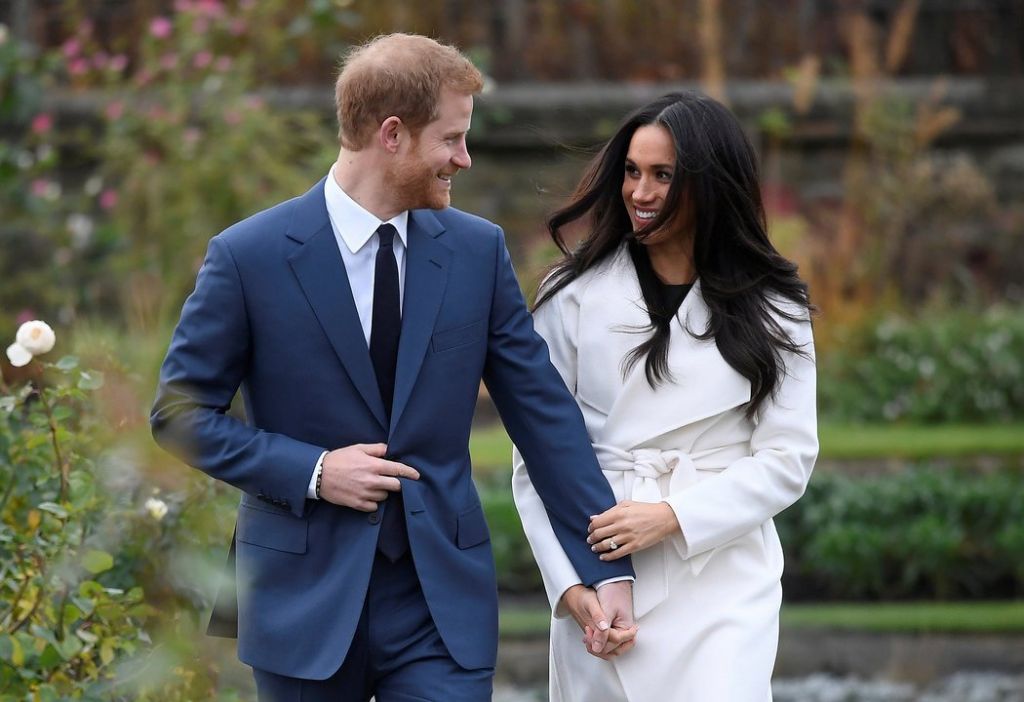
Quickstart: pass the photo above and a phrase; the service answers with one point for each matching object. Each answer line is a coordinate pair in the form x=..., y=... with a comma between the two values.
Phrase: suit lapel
x=321, y=273
x=426, y=275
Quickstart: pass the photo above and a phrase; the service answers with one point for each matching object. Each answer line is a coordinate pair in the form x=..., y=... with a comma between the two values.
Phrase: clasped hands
x=606, y=615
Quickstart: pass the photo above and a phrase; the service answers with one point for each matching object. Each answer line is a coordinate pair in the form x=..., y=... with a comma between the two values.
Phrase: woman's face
x=650, y=164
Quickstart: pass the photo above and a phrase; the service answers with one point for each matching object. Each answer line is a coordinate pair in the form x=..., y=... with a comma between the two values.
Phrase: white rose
x=3, y=34
x=157, y=508
x=18, y=355
x=36, y=337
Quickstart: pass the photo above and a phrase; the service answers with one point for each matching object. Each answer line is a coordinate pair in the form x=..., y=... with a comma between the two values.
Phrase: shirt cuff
x=601, y=583
x=311, y=490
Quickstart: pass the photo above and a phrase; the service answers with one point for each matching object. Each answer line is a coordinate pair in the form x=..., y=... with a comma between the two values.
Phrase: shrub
x=951, y=367
x=925, y=532
x=91, y=549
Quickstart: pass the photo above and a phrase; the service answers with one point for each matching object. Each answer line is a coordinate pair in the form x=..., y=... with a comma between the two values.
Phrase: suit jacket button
x=373, y=518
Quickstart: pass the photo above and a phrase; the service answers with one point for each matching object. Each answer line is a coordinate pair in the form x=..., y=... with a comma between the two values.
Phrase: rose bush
x=86, y=538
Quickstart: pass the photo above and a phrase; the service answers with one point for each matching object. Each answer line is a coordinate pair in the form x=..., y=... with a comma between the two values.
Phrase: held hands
x=359, y=477
x=605, y=616
x=629, y=527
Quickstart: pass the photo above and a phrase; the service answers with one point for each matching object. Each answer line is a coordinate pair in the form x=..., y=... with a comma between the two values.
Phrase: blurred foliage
x=118, y=213
x=68, y=619
x=952, y=366
x=922, y=533
x=586, y=39
x=105, y=565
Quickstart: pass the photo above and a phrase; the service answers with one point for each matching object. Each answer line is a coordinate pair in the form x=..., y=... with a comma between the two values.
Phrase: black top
x=662, y=299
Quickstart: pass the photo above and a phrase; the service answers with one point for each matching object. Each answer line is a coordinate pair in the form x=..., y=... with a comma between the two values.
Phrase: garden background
x=891, y=137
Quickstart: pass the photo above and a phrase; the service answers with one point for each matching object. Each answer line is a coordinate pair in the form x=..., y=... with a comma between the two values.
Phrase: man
x=359, y=319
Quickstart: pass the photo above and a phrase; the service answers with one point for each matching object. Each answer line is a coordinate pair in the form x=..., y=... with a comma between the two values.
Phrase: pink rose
x=160, y=27
x=42, y=123
x=203, y=59
x=108, y=199
x=114, y=110
x=71, y=48
x=78, y=67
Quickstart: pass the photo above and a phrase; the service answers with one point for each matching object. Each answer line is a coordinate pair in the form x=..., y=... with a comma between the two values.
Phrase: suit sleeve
x=783, y=446
x=557, y=326
x=206, y=363
x=546, y=426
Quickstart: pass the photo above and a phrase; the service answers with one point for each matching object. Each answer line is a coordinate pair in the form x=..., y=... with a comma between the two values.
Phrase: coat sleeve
x=783, y=447
x=206, y=363
x=545, y=423
x=556, y=322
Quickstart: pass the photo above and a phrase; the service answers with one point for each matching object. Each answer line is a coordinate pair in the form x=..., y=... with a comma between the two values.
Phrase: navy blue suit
x=272, y=313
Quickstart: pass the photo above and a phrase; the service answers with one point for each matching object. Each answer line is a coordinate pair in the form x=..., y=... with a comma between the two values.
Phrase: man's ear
x=391, y=133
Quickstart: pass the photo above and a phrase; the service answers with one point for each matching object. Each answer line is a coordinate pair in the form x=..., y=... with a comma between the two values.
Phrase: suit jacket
x=272, y=313
x=687, y=442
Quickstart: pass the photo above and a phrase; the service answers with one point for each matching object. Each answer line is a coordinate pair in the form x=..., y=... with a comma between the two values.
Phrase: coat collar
x=613, y=315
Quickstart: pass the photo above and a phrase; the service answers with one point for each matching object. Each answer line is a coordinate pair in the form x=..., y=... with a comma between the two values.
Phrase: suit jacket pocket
x=460, y=336
x=279, y=531
x=472, y=529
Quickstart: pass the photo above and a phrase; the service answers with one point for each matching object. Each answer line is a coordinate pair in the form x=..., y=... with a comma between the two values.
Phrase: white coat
x=706, y=599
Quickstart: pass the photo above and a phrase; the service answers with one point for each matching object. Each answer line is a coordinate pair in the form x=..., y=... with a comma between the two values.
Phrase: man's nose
x=462, y=158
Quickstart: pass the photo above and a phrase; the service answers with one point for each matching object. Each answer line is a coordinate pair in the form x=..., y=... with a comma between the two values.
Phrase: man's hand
x=616, y=600
x=358, y=476
x=600, y=638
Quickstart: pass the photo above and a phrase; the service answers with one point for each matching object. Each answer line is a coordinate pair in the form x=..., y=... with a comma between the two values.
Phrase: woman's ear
x=391, y=133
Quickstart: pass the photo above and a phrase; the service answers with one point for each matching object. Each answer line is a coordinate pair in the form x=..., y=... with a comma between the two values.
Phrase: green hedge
x=925, y=532
x=950, y=367
x=922, y=533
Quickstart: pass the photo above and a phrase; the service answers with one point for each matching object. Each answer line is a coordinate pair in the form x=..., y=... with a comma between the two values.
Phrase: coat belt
x=683, y=470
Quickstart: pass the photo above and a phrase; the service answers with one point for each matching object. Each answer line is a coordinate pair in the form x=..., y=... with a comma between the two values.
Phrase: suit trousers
x=396, y=655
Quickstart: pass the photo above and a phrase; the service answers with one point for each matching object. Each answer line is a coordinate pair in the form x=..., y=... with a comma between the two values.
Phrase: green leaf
x=50, y=657
x=8, y=403
x=62, y=413
x=67, y=363
x=54, y=508
x=97, y=561
x=107, y=651
x=10, y=649
x=90, y=380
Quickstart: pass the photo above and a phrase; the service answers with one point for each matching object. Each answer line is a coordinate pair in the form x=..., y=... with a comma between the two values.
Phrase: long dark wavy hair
x=743, y=278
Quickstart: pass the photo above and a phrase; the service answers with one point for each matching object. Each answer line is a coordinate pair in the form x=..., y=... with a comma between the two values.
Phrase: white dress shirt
x=355, y=229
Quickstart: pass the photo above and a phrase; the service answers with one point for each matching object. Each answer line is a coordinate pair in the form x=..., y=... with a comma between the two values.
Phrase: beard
x=416, y=186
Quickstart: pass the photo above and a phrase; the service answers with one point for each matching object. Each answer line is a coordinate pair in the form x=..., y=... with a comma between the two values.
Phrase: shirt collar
x=352, y=222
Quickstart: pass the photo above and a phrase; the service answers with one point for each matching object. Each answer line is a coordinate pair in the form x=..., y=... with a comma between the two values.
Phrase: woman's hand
x=629, y=527
x=600, y=639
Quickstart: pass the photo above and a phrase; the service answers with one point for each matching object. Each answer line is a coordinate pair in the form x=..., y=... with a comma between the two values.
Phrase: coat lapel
x=703, y=385
x=426, y=275
x=321, y=273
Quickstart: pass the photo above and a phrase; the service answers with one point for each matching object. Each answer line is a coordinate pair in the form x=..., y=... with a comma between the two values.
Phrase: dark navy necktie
x=385, y=330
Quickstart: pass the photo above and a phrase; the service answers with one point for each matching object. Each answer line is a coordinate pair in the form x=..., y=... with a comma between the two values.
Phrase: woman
x=685, y=337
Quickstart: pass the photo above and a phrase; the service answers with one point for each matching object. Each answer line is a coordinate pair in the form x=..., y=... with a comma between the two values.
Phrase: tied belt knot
x=648, y=466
